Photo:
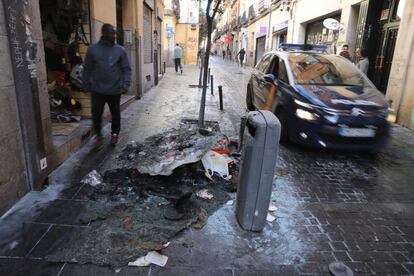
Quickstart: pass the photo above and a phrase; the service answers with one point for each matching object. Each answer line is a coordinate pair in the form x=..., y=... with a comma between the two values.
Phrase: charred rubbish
x=132, y=213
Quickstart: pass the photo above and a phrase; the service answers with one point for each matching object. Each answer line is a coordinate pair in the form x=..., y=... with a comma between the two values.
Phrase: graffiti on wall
x=192, y=43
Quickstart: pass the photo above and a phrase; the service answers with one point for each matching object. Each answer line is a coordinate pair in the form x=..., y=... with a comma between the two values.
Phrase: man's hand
x=124, y=90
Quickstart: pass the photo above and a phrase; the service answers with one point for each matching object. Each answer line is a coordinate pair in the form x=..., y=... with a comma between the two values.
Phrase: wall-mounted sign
x=262, y=31
x=170, y=31
x=281, y=26
x=385, y=14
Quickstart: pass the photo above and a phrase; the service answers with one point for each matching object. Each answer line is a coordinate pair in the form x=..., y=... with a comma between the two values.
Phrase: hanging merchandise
x=76, y=77
x=74, y=54
x=71, y=8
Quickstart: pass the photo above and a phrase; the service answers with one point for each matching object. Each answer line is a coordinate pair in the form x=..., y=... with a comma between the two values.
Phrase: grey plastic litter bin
x=260, y=148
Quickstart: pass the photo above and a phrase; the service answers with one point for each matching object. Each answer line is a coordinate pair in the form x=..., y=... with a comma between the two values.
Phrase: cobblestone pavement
x=331, y=206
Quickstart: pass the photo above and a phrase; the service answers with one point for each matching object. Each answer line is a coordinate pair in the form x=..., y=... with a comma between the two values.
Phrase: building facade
x=41, y=44
x=181, y=26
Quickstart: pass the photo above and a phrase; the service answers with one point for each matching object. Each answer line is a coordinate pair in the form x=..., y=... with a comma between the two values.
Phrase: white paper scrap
x=166, y=244
x=139, y=262
x=156, y=258
x=204, y=193
x=230, y=202
x=270, y=218
x=272, y=208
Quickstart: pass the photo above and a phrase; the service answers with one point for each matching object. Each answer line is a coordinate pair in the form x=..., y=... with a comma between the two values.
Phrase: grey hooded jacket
x=106, y=69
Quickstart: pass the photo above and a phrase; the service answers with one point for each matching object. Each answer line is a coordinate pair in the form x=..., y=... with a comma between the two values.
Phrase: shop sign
x=281, y=26
x=262, y=31
x=384, y=14
x=228, y=38
x=170, y=31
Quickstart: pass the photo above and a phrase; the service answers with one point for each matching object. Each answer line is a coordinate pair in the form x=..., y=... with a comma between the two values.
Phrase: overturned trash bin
x=259, y=152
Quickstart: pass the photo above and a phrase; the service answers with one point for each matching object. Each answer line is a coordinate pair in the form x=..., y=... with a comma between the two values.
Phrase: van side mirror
x=269, y=78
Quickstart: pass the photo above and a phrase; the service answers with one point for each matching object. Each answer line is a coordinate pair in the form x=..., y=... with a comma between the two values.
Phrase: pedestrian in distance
x=178, y=55
x=241, y=55
x=345, y=52
x=229, y=56
x=363, y=63
x=224, y=54
x=200, y=55
x=106, y=75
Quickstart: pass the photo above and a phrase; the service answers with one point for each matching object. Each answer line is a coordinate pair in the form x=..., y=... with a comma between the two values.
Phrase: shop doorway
x=279, y=38
x=66, y=37
x=384, y=57
x=260, y=48
x=381, y=31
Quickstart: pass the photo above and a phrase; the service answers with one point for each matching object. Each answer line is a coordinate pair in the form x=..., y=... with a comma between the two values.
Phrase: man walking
x=241, y=55
x=178, y=54
x=107, y=75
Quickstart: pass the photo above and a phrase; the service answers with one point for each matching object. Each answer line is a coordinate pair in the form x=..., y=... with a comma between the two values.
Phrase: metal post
x=208, y=78
x=212, y=85
x=201, y=73
x=220, y=88
x=164, y=68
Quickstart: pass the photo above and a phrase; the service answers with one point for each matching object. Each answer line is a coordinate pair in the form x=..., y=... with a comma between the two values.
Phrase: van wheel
x=249, y=99
x=284, y=135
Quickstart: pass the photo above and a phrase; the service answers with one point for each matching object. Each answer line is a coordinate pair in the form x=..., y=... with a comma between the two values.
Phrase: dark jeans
x=98, y=105
x=241, y=61
x=177, y=62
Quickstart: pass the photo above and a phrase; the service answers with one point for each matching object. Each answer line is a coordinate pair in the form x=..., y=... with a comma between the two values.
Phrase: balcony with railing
x=252, y=12
x=243, y=19
x=262, y=6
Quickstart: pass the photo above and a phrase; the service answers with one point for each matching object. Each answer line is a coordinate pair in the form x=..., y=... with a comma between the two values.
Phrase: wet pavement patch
x=131, y=213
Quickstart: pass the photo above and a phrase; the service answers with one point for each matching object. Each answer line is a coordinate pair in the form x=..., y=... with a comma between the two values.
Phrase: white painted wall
x=189, y=11
x=306, y=11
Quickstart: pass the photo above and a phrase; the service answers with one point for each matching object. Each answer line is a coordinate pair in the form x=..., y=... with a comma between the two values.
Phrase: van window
x=283, y=72
x=264, y=64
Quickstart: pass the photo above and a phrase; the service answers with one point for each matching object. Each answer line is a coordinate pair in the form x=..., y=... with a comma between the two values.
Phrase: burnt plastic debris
x=93, y=178
x=162, y=153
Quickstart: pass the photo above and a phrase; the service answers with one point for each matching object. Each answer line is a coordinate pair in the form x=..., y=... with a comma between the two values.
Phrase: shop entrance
x=260, y=48
x=384, y=57
x=381, y=31
x=279, y=38
x=66, y=36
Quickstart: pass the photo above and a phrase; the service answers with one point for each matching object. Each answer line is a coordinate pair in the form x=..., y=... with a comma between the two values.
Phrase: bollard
x=221, y=96
x=212, y=85
x=260, y=149
x=208, y=76
x=165, y=68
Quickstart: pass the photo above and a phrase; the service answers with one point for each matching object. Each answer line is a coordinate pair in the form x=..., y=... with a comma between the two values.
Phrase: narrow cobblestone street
x=331, y=206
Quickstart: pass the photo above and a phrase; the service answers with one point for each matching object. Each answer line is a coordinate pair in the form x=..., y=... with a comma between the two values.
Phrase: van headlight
x=306, y=115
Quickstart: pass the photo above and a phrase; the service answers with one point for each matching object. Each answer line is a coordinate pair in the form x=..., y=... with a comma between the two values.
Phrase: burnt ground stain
x=132, y=213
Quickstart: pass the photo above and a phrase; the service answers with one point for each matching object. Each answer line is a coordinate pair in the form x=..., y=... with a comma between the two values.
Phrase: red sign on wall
x=384, y=14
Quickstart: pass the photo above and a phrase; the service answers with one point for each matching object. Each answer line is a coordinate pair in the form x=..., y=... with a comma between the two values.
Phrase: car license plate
x=357, y=132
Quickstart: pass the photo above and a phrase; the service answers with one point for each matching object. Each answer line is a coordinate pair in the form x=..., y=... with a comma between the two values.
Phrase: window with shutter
x=147, y=35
